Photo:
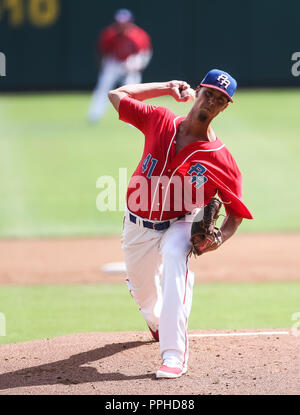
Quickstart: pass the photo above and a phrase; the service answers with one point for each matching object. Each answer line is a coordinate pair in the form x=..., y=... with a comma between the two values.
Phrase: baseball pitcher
x=173, y=201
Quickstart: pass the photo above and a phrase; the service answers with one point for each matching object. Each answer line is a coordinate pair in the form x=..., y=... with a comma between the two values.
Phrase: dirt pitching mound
x=125, y=364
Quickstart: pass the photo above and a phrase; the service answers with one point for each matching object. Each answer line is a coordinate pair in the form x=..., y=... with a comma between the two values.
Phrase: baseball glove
x=204, y=237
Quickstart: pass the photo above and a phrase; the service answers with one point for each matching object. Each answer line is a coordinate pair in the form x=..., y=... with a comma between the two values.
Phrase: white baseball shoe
x=170, y=370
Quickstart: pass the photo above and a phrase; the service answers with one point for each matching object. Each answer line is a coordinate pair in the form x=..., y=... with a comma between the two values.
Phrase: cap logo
x=224, y=80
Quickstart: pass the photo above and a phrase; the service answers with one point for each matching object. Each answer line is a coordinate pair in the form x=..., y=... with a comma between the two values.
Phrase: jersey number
x=152, y=166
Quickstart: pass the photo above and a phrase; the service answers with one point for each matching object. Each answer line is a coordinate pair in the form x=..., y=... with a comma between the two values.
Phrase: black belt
x=156, y=226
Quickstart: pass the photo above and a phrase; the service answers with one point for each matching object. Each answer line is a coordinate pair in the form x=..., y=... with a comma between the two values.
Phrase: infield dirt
x=244, y=258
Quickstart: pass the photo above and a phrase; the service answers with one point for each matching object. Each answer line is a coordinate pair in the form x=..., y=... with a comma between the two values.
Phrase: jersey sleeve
x=136, y=113
x=105, y=41
x=143, y=40
x=232, y=198
x=229, y=188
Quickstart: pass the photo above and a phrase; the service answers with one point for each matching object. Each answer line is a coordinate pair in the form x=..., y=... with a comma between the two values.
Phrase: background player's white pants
x=115, y=72
x=160, y=282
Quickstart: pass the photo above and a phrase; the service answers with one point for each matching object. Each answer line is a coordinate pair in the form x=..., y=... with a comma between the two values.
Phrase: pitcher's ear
x=197, y=91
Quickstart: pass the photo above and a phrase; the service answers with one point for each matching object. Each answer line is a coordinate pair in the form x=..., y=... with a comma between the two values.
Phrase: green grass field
x=50, y=160
x=48, y=311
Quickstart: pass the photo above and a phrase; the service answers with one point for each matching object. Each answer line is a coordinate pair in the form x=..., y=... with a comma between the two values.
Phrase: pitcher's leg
x=133, y=78
x=107, y=79
x=142, y=261
x=177, y=290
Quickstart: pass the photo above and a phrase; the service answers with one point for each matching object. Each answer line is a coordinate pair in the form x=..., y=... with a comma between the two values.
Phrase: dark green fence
x=49, y=44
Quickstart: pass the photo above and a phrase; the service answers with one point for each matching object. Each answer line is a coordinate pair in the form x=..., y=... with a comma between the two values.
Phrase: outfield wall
x=49, y=44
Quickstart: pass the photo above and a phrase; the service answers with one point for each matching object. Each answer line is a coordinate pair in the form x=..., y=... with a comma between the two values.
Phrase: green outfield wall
x=50, y=44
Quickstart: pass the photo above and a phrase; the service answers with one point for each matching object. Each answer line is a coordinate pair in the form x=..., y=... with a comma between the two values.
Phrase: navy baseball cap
x=220, y=80
x=123, y=16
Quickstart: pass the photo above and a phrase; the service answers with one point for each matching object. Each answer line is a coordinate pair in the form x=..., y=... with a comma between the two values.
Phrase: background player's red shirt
x=121, y=44
x=202, y=167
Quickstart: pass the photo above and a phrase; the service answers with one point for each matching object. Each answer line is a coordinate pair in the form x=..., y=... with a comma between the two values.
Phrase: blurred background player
x=126, y=51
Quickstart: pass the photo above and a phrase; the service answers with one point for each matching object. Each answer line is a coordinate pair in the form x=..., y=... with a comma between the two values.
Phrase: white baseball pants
x=160, y=282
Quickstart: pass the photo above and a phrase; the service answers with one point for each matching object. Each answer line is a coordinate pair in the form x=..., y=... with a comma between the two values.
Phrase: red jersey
x=121, y=44
x=166, y=185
